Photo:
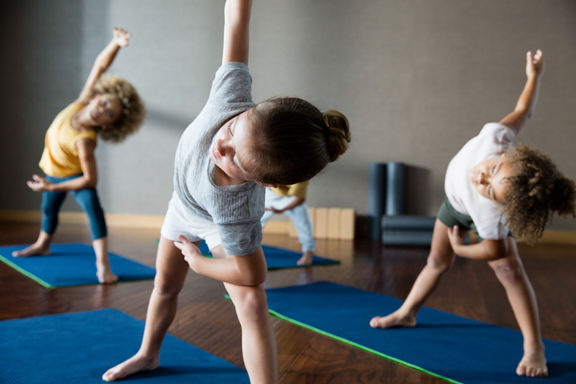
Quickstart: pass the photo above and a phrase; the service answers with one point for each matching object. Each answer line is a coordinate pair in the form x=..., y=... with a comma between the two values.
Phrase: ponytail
x=338, y=135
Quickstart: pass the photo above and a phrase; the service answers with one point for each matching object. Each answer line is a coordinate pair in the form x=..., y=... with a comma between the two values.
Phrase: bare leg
x=103, y=270
x=439, y=261
x=511, y=274
x=40, y=247
x=258, y=342
x=306, y=258
x=171, y=270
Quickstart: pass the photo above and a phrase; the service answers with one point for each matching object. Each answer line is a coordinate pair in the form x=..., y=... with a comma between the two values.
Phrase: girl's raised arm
x=529, y=96
x=236, y=31
x=103, y=62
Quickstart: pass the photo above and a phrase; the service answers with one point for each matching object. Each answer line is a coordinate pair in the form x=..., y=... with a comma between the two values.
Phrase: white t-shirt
x=493, y=140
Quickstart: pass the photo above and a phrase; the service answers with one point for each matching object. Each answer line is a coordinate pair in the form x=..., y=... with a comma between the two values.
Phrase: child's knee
x=166, y=287
x=439, y=264
x=251, y=303
x=507, y=270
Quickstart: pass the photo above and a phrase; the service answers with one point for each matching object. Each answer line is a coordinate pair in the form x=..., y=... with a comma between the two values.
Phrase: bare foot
x=533, y=364
x=306, y=258
x=393, y=320
x=129, y=367
x=105, y=275
x=34, y=249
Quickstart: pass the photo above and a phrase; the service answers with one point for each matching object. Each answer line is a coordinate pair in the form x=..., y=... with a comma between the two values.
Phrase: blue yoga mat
x=80, y=347
x=71, y=265
x=444, y=345
x=279, y=258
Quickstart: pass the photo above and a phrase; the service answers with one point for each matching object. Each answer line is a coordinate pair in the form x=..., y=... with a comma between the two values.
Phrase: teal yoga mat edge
x=26, y=273
x=49, y=286
x=359, y=346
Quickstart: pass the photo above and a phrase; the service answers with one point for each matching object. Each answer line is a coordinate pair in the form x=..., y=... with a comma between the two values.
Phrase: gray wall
x=417, y=78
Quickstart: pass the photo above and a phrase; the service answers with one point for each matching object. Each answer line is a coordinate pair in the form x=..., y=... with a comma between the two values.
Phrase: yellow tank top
x=298, y=190
x=60, y=156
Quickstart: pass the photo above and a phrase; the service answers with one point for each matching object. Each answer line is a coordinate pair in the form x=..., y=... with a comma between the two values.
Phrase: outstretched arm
x=527, y=100
x=236, y=31
x=103, y=62
x=247, y=270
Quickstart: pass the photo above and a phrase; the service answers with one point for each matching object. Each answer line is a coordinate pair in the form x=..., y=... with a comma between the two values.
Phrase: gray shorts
x=450, y=217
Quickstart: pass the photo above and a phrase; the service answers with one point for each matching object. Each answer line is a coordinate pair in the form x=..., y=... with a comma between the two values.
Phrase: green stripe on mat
x=356, y=345
x=359, y=346
x=26, y=273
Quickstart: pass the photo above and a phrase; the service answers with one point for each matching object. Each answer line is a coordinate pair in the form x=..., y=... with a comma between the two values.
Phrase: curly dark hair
x=133, y=110
x=295, y=140
x=535, y=193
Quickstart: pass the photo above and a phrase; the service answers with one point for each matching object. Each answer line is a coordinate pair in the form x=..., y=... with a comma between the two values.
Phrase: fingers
x=534, y=58
x=121, y=36
x=538, y=56
x=183, y=239
x=182, y=242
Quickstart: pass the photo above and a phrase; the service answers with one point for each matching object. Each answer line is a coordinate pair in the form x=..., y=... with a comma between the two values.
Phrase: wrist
x=457, y=247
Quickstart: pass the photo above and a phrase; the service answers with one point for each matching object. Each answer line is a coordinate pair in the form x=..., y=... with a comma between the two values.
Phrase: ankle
x=536, y=346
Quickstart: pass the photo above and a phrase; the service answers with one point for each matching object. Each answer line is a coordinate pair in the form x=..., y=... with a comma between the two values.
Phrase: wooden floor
x=207, y=320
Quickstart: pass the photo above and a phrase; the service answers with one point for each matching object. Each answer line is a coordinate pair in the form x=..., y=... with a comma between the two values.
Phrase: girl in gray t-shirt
x=224, y=159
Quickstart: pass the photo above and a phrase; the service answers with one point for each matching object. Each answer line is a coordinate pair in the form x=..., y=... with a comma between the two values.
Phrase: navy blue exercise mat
x=451, y=347
x=71, y=265
x=80, y=347
x=279, y=258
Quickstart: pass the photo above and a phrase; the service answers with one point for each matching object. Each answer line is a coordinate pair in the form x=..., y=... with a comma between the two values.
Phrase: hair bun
x=338, y=133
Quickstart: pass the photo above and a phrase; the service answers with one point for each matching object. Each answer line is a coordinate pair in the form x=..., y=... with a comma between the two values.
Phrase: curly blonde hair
x=133, y=110
x=535, y=193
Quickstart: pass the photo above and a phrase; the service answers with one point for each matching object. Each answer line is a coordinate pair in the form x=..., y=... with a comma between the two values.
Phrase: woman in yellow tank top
x=108, y=107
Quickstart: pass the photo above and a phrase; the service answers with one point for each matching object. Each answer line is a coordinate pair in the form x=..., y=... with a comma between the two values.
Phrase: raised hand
x=121, y=37
x=534, y=63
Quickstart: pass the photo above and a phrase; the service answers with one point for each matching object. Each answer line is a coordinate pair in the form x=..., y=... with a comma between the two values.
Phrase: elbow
x=495, y=250
x=89, y=183
x=253, y=277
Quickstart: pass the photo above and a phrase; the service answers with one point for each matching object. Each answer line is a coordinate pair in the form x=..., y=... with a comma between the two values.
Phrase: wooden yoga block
x=333, y=223
x=327, y=223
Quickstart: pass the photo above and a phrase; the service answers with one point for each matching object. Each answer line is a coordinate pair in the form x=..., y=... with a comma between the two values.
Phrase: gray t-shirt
x=236, y=209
